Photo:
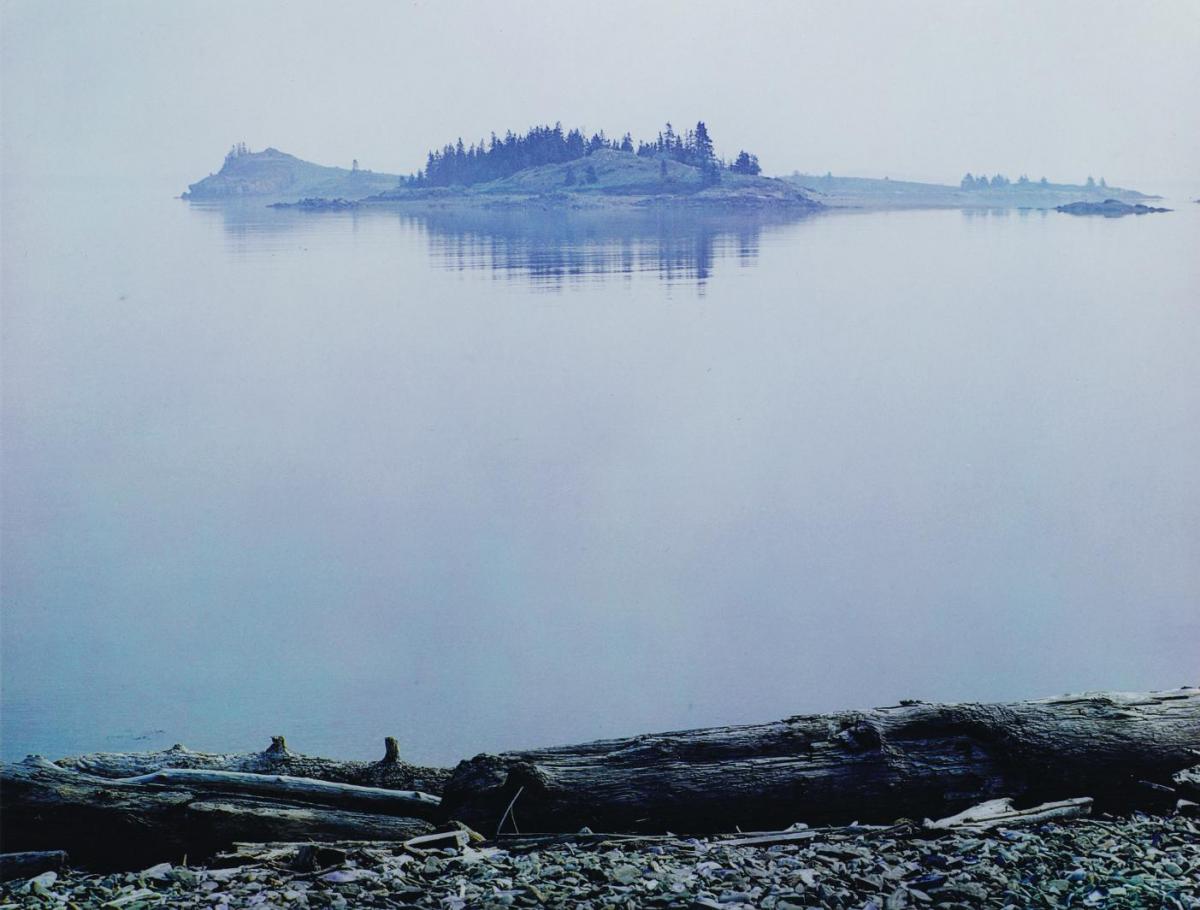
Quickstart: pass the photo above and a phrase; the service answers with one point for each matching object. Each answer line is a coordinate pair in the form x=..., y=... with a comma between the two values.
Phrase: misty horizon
x=881, y=174
x=1115, y=91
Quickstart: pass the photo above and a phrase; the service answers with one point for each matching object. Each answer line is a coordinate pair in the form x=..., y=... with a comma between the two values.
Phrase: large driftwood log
x=167, y=814
x=389, y=772
x=911, y=760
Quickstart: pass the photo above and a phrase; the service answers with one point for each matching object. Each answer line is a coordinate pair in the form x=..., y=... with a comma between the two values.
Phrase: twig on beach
x=508, y=812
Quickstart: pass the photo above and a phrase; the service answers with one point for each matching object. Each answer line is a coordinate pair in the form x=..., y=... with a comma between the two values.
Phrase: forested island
x=545, y=165
x=549, y=166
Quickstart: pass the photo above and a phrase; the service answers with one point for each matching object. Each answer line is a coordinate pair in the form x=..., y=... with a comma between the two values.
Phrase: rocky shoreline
x=1106, y=862
x=719, y=200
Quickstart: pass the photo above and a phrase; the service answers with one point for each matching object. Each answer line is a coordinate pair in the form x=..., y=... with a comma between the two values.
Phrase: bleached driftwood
x=389, y=772
x=296, y=789
x=996, y=813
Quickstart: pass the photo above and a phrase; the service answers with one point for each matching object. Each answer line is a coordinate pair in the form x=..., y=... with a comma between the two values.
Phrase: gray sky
x=159, y=90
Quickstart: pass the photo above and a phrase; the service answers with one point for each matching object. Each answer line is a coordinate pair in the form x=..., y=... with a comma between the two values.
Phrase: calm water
x=495, y=481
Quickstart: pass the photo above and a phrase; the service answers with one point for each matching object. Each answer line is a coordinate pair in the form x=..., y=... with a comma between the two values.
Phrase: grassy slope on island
x=277, y=174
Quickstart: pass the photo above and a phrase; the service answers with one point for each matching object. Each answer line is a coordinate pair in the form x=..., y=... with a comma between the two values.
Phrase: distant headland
x=548, y=166
x=996, y=192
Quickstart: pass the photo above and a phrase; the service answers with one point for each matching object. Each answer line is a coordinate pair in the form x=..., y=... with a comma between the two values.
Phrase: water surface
x=495, y=481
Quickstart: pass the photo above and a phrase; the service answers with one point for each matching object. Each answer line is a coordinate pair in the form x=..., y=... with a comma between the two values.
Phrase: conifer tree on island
x=463, y=165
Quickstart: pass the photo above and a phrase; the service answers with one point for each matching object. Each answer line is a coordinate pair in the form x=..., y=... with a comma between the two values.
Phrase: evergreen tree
x=570, y=176
x=703, y=145
x=500, y=157
x=589, y=174
x=745, y=163
x=703, y=157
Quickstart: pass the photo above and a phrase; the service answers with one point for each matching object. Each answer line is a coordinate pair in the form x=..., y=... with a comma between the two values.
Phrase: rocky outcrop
x=318, y=204
x=275, y=173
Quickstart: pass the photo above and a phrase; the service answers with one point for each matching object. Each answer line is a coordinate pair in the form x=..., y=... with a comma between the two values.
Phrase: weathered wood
x=225, y=822
x=769, y=839
x=390, y=772
x=1001, y=812
x=27, y=865
x=911, y=760
x=296, y=789
x=168, y=814
x=1187, y=781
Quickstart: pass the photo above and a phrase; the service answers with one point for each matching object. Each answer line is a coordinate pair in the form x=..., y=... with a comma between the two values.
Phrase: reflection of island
x=554, y=246
x=549, y=247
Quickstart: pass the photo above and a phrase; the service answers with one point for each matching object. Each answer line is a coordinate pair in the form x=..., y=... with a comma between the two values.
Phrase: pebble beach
x=1142, y=861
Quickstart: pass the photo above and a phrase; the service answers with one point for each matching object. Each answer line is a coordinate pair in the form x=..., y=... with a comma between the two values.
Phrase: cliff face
x=275, y=173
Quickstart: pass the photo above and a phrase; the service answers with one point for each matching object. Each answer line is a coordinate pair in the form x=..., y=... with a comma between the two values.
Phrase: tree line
x=999, y=182
x=479, y=162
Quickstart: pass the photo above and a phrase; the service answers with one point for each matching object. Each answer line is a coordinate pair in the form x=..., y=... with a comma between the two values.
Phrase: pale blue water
x=496, y=482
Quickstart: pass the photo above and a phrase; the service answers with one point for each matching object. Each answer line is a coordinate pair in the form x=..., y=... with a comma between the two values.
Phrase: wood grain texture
x=390, y=772
x=912, y=760
x=165, y=815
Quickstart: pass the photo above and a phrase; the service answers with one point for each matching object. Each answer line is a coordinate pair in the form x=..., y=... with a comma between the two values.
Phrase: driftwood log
x=27, y=865
x=165, y=815
x=999, y=813
x=911, y=760
x=390, y=771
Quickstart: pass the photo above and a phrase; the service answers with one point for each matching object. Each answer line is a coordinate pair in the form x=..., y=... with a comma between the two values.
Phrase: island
x=549, y=167
x=544, y=167
x=1109, y=208
x=972, y=192
x=273, y=174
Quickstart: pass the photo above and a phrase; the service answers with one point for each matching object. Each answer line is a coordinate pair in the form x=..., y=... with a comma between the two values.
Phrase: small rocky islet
x=1109, y=208
x=1140, y=861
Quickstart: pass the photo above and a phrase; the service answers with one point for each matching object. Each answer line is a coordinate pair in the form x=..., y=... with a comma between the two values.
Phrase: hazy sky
x=921, y=89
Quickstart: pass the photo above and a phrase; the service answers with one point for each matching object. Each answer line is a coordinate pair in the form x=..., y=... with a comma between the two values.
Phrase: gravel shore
x=1138, y=862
